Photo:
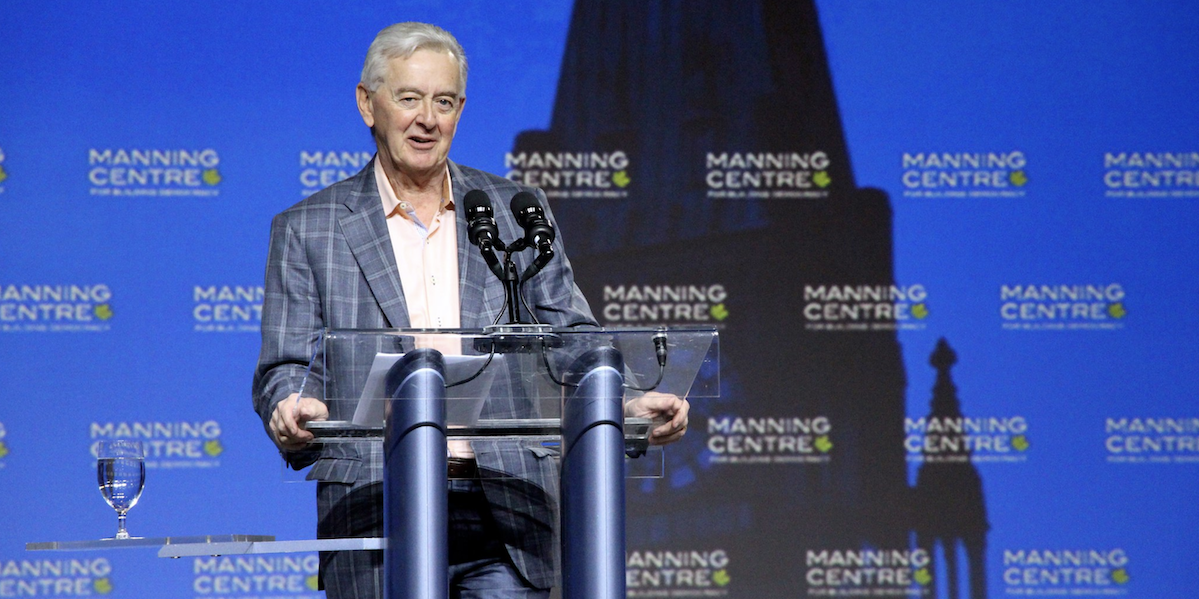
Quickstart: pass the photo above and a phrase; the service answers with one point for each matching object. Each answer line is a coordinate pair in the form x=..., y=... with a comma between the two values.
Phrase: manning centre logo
x=1062, y=307
x=56, y=577
x=594, y=175
x=679, y=573
x=662, y=305
x=867, y=573
x=1151, y=440
x=935, y=439
x=3, y=173
x=319, y=170
x=964, y=174
x=227, y=308
x=277, y=577
x=769, y=440
x=168, y=444
x=865, y=307
x=154, y=172
x=79, y=308
x=1066, y=572
x=1151, y=174
x=767, y=175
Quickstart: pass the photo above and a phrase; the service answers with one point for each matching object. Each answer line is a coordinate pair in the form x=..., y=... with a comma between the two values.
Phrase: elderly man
x=388, y=248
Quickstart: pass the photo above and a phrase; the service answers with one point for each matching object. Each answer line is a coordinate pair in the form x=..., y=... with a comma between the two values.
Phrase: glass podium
x=505, y=384
x=509, y=396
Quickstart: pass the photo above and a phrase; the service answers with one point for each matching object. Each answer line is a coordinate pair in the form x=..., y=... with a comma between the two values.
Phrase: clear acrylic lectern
x=539, y=408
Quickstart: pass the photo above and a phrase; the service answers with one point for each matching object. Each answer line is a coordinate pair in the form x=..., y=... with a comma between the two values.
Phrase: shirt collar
x=392, y=205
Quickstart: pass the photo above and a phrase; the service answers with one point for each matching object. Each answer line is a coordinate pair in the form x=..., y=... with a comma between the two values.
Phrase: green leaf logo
x=922, y=577
x=821, y=179
x=1120, y=576
x=1020, y=442
x=312, y=582
x=721, y=577
x=102, y=585
x=3, y=175
x=719, y=312
x=213, y=447
x=920, y=311
x=3, y=449
x=211, y=176
x=1117, y=310
x=621, y=179
x=823, y=444
x=103, y=311
x=1018, y=178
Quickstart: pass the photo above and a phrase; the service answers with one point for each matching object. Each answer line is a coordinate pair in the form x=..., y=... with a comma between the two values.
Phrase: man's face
x=414, y=113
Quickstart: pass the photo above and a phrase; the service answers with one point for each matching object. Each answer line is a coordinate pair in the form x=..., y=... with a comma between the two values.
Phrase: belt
x=462, y=468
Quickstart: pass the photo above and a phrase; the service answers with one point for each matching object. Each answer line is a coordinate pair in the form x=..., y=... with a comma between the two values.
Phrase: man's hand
x=668, y=411
x=290, y=416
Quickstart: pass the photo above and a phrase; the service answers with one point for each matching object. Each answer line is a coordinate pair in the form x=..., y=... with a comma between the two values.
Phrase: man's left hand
x=667, y=411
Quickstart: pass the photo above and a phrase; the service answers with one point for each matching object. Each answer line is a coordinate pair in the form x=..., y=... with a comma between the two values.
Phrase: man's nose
x=424, y=115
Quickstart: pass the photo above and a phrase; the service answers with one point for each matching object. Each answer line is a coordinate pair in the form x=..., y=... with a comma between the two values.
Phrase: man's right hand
x=290, y=416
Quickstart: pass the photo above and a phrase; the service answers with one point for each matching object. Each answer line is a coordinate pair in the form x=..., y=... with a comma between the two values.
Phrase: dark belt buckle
x=462, y=468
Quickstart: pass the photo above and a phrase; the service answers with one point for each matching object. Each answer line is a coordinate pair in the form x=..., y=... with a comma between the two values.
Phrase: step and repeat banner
x=950, y=249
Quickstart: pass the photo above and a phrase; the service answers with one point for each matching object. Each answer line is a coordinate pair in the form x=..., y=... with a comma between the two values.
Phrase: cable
x=474, y=376
x=659, y=340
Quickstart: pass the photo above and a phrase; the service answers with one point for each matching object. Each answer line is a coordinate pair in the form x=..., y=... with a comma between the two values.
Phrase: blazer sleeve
x=291, y=320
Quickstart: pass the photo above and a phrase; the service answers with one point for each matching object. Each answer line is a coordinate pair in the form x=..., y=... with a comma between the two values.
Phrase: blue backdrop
x=1041, y=166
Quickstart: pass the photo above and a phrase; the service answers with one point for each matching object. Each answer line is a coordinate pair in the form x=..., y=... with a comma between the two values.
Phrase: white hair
x=401, y=41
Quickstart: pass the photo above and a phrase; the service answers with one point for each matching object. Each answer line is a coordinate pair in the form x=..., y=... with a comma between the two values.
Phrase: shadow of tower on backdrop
x=700, y=147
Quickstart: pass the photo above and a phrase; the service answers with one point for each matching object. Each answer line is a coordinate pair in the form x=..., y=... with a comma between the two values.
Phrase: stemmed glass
x=121, y=472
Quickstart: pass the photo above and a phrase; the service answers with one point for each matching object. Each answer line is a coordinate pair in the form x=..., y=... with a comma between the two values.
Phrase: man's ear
x=461, y=105
x=364, y=105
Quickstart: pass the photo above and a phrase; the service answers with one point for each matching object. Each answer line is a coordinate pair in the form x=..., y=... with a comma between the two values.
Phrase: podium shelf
x=100, y=544
x=212, y=545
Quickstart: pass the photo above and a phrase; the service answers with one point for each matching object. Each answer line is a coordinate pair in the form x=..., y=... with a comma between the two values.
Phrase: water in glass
x=121, y=473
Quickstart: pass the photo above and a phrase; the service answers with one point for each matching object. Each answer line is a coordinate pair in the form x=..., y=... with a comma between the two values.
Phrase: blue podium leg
x=593, y=511
x=414, y=481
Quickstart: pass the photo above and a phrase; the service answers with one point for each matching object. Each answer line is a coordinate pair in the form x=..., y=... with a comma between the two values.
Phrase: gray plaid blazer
x=331, y=265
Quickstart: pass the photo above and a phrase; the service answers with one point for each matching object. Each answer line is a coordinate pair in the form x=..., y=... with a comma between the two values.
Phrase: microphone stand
x=518, y=334
x=512, y=289
x=509, y=276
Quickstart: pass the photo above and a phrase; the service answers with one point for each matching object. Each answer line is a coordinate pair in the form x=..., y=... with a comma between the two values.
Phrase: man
x=388, y=248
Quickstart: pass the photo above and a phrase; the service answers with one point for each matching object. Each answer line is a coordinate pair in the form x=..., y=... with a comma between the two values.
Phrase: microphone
x=480, y=220
x=481, y=229
x=659, y=340
x=539, y=233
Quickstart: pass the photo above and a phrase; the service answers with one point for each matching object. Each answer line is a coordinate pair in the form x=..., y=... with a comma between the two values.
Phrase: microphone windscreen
x=476, y=199
x=523, y=201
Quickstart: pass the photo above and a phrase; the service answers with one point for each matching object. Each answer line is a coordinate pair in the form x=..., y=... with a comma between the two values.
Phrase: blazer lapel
x=480, y=294
x=365, y=230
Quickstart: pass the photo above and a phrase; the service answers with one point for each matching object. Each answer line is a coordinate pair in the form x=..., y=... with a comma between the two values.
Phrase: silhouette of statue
x=949, y=507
